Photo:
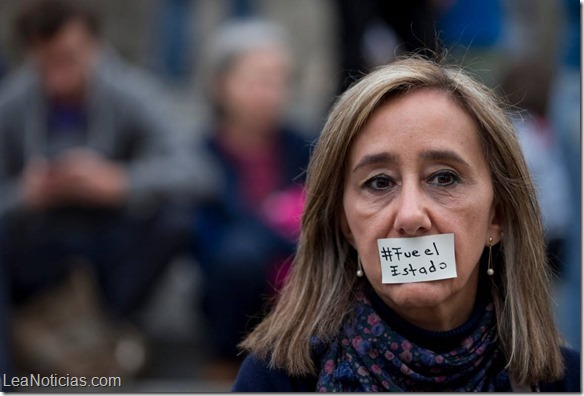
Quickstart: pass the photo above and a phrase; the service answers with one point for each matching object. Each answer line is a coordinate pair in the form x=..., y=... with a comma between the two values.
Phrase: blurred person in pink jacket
x=246, y=237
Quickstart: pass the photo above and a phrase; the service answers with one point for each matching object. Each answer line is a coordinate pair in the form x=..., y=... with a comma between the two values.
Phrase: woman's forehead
x=422, y=122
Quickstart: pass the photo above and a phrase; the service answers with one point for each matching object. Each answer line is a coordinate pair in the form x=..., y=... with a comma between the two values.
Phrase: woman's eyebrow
x=444, y=155
x=378, y=158
x=387, y=158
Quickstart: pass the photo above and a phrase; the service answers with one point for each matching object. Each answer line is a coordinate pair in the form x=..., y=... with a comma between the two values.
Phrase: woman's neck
x=446, y=314
x=437, y=340
x=440, y=318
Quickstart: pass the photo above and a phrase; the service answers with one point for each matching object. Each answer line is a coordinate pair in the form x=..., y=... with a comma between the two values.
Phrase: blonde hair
x=322, y=283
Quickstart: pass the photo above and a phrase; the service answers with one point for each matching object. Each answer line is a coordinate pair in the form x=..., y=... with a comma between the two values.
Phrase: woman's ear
x=495, y=230
x=348, y=234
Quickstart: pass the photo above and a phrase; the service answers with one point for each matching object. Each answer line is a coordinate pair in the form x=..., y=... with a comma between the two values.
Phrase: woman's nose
x=412, y=217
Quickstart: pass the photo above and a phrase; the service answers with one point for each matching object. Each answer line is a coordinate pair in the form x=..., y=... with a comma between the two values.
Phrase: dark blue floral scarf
x=368, y=355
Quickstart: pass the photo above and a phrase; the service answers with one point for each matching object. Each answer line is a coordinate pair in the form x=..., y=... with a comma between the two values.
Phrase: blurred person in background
x=472, y=31
x=374, y=32
x=245, y=238
x=564, y=114
x=92, y=166
x=526, y=85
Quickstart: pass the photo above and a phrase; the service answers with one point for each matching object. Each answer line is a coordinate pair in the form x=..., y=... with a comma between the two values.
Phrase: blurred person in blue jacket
x=472, y=31
x=564, y=112
x=245, y=238
x=93, y=163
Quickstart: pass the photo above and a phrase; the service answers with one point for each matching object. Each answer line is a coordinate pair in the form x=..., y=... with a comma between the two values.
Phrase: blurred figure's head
x=250, y=67
x=61, y=38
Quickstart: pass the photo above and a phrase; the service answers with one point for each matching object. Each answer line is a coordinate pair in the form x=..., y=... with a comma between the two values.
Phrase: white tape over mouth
x=417, y=259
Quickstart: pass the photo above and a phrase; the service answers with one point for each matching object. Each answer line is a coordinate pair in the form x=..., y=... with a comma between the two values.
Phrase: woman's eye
x=379, y=183
x=444, y=178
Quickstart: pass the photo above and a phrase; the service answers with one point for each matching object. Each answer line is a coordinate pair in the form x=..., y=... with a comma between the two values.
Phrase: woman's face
x=417, y=169
x=255, y=89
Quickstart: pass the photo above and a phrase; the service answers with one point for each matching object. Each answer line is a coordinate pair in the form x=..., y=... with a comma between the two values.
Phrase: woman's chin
x=416, y=294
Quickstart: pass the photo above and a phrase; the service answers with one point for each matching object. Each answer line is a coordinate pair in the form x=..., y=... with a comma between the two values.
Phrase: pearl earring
x=490, y=270
x=359, y=268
